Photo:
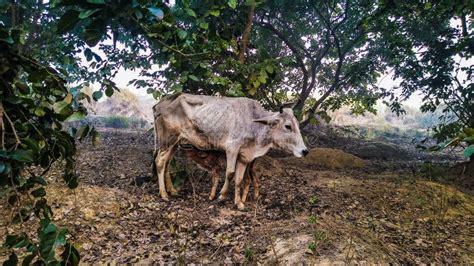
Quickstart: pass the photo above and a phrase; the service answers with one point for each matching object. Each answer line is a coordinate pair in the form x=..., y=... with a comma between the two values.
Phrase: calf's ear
x=269, y=120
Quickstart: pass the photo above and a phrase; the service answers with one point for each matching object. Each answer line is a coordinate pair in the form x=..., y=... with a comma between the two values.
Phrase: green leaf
x=60, y=107
x=204, y=25
x=12, y=260
x=2, y=167
x=22, y=87
x=269, y=69
x=22, y=156
x=190, y=12
x=68, y=21
x=109, y=91
x=193, y=77
x=71, y=180
x=37, y=180
x=40, y=192
x=88, y=12
x=12, y=200
x=61, y=237
x=70, y=255
x=215, y=12
x=82, y=132
x=157, y=12
x=76, y=116
x=97, y=95
x=39, y=111
x=469, y=131
x=138, y=14
x=28, y=259
x=16, y=241
x=182, y=34
x=47, y=236
x=469, y=151
x=232, y=3
x=99, y=2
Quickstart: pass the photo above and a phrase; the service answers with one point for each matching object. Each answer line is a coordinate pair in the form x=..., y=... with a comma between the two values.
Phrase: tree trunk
x=246, y=34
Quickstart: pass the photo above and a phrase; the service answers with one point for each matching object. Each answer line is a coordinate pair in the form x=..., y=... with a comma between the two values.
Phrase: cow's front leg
x=239, y=175
x=168, y=181
x=231, y=158
x=161, y=160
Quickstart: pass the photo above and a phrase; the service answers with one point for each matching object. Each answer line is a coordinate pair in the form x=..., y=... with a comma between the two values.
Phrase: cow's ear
x=269, y=120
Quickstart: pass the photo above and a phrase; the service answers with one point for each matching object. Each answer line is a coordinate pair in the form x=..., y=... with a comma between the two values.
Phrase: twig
x=274, y=251
x=2, y=127
x=215, y=252
x=14, y=130
x=256, y=207
x=194, y=191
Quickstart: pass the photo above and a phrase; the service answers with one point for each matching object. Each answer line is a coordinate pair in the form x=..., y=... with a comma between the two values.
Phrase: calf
x=214, y=162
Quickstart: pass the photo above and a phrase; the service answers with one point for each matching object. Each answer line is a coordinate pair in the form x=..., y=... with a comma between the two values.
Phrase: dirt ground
x=330, y=207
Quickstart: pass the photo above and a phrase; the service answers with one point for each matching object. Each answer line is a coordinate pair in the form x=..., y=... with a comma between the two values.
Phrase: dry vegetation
x=330, y=207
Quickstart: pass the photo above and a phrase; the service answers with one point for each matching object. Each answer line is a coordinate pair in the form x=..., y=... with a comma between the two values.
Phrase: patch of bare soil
x=330, y=207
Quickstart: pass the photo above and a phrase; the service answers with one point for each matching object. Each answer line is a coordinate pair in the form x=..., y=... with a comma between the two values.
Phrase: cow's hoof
x=165, y=199
x=221, y=198
x=173, y=192
x=241, y=206
x=212, y=197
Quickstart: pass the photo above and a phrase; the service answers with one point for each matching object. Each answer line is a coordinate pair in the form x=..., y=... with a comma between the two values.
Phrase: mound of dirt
x=329, y=159
x=380, y=150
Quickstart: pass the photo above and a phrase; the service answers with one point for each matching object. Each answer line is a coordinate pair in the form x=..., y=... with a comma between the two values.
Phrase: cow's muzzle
x=305, y=152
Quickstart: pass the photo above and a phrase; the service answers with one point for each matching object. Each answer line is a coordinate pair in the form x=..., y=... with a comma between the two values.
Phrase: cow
x=240, y=127
x=214, y=162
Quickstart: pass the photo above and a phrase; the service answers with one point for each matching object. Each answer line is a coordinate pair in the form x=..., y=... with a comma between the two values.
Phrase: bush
x=111, y=122
x=117, y=122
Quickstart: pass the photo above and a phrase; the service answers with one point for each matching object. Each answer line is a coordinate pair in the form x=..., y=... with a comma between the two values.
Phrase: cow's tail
x=154, y=174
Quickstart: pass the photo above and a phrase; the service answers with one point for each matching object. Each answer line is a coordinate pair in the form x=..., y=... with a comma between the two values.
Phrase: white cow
x=240, y=127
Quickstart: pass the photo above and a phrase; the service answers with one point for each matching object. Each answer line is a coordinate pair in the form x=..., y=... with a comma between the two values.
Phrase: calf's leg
x=247, y=180
x=250, y=176
x=215, y=181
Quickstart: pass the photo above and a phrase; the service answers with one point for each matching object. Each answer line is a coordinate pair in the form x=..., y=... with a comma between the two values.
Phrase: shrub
x=117, y=122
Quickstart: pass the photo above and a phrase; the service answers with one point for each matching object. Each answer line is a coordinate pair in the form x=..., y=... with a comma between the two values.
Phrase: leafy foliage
x=34, y=101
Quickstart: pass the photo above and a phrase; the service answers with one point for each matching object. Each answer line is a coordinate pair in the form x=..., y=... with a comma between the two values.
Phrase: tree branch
x=294, y=50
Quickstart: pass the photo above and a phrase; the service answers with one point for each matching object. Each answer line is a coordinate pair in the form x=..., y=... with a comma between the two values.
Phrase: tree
x=429, y=45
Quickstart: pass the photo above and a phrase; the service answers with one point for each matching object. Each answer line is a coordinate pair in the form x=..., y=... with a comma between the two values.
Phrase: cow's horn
x=286, y=105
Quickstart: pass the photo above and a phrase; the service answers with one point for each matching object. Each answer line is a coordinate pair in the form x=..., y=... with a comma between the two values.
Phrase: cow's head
x=285, y=132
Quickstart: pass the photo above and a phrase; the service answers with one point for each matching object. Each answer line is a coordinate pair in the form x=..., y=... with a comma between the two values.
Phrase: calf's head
x=285, y=132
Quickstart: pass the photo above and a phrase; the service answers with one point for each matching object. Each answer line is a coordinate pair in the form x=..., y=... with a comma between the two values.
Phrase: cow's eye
x=288, y=127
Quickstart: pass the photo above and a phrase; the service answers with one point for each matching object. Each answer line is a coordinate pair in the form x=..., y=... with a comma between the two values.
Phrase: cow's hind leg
x=229, y=172
x=239, y=175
